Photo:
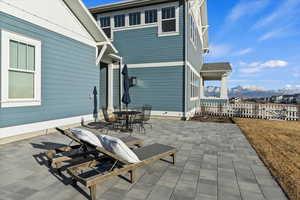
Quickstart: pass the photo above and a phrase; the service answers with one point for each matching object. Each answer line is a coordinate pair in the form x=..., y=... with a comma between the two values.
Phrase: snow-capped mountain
x=250, y=91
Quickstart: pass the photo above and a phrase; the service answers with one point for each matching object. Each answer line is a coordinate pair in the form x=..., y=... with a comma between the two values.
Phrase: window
x=134, y=18
x=150, y=16
x=105, y=25
x=195, y=84
x=119, y=20
x=168, y=23
x=193, y=30
x=20, y=70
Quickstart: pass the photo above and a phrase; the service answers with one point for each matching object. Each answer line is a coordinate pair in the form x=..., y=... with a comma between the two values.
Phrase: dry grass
x=278, y=145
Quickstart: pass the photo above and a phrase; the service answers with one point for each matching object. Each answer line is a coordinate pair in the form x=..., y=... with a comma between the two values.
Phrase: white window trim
x=159, y=16
x=6, y=36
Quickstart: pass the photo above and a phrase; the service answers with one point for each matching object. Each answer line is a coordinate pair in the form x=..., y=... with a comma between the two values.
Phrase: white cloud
x=275, y=63
x=258, y=66
x=271, y=34
x=244, y=8
x=250, y=70
x=289, y=86
x=284, y=12
x=243, y=52
x=219, y=50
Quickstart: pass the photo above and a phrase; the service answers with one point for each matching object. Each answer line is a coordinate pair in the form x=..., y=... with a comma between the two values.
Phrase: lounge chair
x=58, y=156
x=90, y=173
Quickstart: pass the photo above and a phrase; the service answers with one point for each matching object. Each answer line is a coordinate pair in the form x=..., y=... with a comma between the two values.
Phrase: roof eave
x=123, y=5
x=87, y=20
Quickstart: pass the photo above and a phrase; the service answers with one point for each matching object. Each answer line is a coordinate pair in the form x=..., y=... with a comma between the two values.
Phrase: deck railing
x=251, y=110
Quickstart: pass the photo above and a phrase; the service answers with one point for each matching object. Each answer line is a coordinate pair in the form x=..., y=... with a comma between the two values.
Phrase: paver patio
x=214, y=161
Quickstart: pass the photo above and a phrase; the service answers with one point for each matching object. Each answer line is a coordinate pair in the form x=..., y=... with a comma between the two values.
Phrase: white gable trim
x=40, y=21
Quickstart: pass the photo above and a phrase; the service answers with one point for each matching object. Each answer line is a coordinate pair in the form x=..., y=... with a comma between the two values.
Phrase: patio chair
x=113, y=122
x=90, y=173
x=137, y=120
x=56, y=157
x=147, y=114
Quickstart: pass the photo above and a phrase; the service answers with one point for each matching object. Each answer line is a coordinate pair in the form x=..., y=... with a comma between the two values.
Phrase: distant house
x=49, y=64
x=297, y=98
x=163, y=43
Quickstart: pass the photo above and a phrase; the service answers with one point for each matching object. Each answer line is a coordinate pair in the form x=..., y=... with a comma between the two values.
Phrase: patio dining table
x=127, y=113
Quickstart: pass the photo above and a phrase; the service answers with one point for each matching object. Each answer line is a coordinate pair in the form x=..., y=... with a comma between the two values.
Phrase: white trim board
x=192, y=68
x=166, y=113
x=14, y=9
x=39, y=126
x=160, y=64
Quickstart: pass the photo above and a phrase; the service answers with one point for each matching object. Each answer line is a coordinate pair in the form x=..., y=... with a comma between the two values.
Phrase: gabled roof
x=123, y=5
x=216, y=67
x=87, y=20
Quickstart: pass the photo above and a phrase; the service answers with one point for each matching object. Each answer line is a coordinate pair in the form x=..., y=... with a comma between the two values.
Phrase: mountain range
x=250, y=91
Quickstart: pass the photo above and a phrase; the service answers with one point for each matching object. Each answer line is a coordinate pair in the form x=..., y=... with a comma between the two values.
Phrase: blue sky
x=260, y=38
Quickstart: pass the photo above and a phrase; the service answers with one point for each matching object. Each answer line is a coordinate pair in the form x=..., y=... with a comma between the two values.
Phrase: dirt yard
x=278, y=145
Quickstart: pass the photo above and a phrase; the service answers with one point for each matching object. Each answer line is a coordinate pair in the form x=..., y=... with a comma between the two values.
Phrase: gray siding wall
x=161, y=87
x=194, y=52
x=69, y=76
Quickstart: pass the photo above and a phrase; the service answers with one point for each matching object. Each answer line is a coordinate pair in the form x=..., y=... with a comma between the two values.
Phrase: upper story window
x=119, y=20
x=150, y=16
x=168, y=21
x=134, y=18
x=20, y=70
x=105, y=25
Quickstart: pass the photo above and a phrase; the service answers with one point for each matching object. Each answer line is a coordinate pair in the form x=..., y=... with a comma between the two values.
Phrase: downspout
x=185, y=60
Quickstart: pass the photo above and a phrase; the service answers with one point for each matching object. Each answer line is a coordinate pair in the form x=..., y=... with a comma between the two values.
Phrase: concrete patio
x=214, y=161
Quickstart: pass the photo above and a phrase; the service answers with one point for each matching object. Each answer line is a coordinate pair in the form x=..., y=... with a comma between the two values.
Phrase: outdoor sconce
x=132, y=81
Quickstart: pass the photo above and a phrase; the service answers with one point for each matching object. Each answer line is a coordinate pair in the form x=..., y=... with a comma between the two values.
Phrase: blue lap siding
x=69, y=76
x=161, y=87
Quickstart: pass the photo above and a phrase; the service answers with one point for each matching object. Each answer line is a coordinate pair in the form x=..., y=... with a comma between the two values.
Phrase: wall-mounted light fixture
x=132, y=81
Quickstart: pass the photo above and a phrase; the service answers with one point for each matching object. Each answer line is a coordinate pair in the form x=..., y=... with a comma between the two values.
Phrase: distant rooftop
x=221, y=66
x=123, y=5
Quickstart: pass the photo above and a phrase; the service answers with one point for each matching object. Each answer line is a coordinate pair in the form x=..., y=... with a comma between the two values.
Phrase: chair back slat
x=147, y=112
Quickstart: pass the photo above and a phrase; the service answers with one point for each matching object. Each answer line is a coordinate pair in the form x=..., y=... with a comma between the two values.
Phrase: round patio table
x=127, y=113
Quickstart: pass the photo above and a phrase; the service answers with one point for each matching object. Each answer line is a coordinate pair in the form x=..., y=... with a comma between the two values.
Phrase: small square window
x=134, y=18
x=119, y=20
x=150, y=16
